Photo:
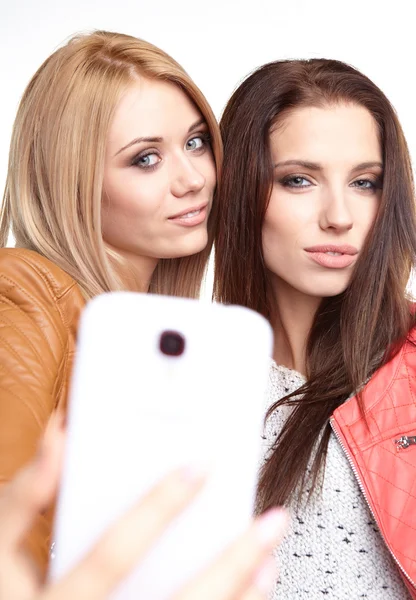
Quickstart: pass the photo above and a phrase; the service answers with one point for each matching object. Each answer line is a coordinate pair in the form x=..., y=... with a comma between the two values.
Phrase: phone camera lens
x=172, y=343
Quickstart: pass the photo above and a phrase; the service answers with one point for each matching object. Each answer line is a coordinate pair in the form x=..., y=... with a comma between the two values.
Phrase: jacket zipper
x=405, y=440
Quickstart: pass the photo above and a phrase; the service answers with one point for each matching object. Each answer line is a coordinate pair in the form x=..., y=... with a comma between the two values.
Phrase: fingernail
x=271, y=526
x=266, y=577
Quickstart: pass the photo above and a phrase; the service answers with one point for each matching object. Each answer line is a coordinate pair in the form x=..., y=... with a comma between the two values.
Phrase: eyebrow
x=158, y=140
x=368, y=165
x=317, y=167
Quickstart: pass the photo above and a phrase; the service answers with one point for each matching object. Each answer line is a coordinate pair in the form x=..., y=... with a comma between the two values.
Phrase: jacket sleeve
x=33, y=340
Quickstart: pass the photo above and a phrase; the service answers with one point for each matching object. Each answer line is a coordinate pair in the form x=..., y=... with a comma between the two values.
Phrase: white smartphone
x=162, y=382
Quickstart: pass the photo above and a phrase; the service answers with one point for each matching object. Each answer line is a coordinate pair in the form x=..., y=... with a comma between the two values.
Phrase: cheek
x=209, y=171
x=374, y=211
x=128, y=195
x=366, y=215
x=278, y=237
x=284, y=221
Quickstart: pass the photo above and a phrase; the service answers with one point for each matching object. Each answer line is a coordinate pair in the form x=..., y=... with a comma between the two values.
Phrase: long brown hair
x=53, y=196
x=354, y=333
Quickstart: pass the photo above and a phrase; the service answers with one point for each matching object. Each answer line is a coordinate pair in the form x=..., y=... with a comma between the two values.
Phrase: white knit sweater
x=333, y=548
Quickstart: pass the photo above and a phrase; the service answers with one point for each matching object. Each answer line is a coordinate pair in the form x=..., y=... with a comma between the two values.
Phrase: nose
x=336, y=215
x=186, y=177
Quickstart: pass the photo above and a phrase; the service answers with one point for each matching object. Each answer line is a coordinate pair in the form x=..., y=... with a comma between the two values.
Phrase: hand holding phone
x=242, y=572
x=160, y=382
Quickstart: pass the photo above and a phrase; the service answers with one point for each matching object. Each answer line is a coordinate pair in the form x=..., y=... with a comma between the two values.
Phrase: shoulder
x=38, y=300
x=25, y=271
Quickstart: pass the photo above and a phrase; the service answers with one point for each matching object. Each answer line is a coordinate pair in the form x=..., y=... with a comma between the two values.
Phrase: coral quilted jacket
x=385, y=464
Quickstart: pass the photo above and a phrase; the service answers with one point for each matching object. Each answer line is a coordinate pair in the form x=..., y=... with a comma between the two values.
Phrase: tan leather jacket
x=39, y=311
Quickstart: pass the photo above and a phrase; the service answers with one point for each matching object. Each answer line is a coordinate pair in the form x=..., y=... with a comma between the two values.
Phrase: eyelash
x=136, y=160
x=288, y=182
x=205, y=137
x=375, y=185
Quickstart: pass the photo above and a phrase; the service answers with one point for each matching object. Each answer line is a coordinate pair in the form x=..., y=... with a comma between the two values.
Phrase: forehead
x=342, y=132
x=150, y=108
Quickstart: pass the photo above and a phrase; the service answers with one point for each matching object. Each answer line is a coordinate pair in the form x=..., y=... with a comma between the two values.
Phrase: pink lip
x=342, y=249
x=199, y=218
x=347, y=255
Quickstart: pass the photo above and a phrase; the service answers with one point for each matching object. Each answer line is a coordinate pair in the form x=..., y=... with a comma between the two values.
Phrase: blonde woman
x=113, y=164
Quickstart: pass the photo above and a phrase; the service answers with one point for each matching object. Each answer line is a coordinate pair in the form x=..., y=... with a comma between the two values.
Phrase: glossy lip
x=342, y=249
x=347, y=255
x=180, y=218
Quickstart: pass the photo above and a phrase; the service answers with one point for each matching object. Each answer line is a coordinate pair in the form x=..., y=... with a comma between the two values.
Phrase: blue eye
x=364, y=184
x=198, y=142
x=146, y=161
x=296, y=181
x=195, y=143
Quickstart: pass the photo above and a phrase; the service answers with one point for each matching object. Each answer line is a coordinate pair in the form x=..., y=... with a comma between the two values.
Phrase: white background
x=220, y=41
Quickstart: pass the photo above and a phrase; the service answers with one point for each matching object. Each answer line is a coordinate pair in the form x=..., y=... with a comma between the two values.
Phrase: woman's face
x=159, y=174
x=326, y=192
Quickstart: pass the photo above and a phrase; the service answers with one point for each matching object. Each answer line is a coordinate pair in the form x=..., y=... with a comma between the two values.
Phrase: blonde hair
x=53, y=195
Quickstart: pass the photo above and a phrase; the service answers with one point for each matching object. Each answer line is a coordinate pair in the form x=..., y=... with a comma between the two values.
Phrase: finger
x=128, y=539
x=263, y=583
x=232, y=574
x=31, y=490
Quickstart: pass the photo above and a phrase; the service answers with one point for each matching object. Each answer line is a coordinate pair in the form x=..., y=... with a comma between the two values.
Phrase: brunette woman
x=317, y=232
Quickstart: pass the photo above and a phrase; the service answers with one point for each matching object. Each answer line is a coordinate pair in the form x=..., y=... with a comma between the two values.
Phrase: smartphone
x=158, y=383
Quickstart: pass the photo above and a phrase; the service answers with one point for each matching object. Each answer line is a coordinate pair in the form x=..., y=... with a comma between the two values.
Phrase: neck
x=295, y=312
x=135, y=271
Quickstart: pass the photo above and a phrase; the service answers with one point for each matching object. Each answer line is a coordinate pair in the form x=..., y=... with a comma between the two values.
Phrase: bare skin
x=327, y=188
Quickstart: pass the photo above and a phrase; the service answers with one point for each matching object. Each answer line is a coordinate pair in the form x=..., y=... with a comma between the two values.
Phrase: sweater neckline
x=285, y=371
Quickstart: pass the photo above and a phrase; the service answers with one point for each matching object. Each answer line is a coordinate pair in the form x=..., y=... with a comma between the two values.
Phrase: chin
x=322, y=291
x=193, y=245
x=326, y=285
